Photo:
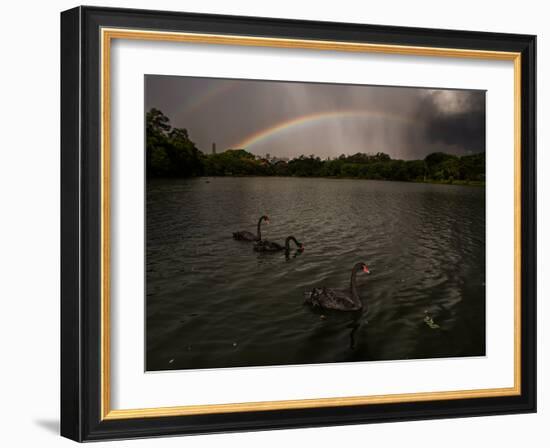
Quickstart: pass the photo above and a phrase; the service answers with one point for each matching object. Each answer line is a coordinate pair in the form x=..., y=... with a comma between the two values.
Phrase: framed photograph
x=273, y=223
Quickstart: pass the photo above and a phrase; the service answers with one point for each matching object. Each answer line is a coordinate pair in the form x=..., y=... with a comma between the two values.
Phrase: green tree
x=157, y=128
x=185, y=158
x=169, y=151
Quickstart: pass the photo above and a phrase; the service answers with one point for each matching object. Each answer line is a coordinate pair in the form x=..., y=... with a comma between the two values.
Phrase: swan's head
x=301, y=247
x=266, y=218
x=365, y=268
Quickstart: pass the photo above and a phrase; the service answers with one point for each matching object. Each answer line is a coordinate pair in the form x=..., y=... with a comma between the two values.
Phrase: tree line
x=171, y=153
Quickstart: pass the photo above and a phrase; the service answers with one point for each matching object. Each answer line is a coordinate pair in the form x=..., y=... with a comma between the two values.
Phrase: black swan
x=270, y=246
x=245, y=235
x=338, y=299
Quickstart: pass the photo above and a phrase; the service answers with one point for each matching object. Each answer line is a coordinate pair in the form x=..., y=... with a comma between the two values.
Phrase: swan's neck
x=353, y=288
x=259, y=228
x=288, y=240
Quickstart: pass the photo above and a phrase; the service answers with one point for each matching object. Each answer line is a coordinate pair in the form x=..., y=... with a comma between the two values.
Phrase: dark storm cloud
x=289, y=119
x=455, y=119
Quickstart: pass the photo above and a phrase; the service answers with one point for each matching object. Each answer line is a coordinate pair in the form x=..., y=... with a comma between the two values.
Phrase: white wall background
x=29, y=228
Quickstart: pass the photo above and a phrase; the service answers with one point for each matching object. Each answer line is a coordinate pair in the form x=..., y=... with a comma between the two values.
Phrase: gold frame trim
x=107, y=35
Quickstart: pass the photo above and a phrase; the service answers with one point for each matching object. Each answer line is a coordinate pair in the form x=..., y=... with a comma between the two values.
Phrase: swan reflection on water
x=334, y=321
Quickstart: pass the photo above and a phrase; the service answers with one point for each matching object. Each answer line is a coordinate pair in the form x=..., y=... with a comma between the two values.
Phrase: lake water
x=214, y=302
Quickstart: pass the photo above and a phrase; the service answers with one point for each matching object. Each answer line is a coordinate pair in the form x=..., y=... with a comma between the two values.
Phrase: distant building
x=275, y=160
x=214, y=148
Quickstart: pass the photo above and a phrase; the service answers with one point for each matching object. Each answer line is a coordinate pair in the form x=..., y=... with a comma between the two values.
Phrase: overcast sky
x=287, y=119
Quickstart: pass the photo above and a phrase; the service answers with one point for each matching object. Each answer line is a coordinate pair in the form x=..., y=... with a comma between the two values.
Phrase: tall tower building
x=214, y=148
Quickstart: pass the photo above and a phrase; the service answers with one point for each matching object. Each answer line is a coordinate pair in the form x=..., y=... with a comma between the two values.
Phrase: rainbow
x=309, y=119
x=200, y=100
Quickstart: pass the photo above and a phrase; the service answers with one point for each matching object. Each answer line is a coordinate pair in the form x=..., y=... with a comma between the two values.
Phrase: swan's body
x=245, y=235
x=270, y=246
x=338, y=299
x=333, y=299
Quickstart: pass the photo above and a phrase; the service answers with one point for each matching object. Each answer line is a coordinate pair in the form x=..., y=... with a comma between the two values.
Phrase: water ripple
x=214, y=302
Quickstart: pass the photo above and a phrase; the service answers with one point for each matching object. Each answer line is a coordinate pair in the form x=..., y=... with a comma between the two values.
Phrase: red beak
x=366, y=270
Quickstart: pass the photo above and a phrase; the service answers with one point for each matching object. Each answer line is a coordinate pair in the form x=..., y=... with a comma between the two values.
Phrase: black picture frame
x=81, y=224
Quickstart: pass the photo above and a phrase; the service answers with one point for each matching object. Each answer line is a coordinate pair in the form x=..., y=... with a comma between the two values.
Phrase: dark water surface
x=213, y=302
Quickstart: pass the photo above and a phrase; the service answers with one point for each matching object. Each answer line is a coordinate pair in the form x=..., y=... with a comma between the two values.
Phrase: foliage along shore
x=171, y=153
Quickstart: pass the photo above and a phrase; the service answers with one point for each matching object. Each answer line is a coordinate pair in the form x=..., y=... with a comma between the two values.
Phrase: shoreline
x=458, y=183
